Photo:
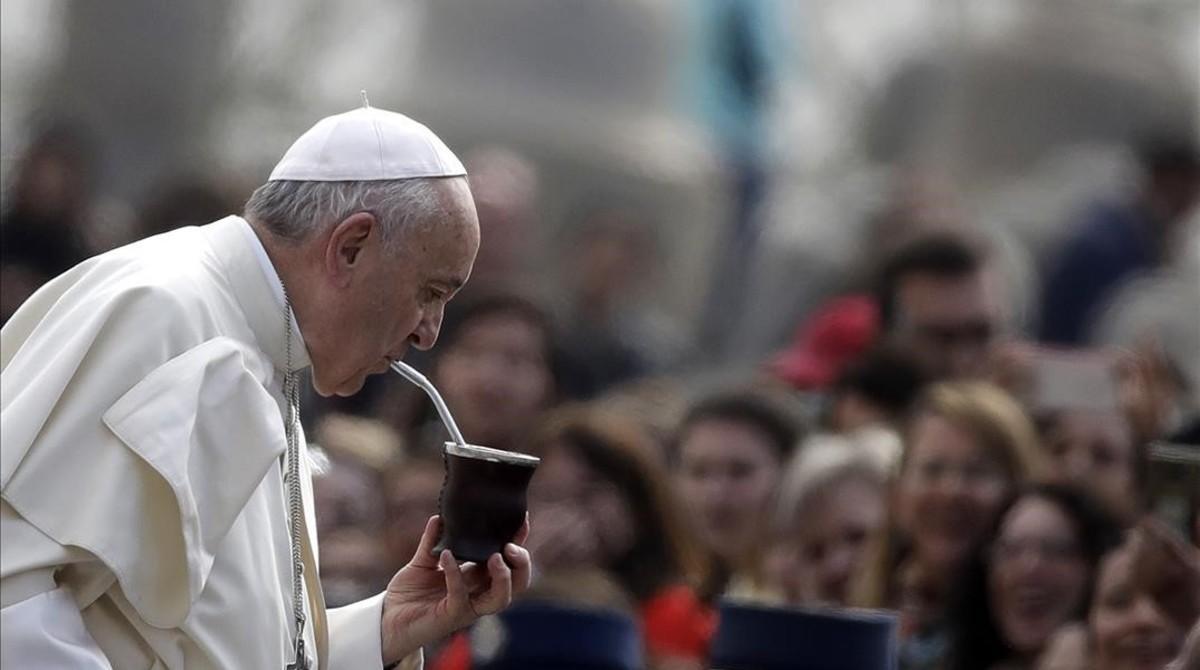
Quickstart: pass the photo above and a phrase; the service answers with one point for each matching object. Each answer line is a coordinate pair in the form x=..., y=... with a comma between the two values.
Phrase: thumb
x=425, y=558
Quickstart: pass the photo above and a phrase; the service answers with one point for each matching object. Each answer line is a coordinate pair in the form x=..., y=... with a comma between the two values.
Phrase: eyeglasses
x=1055, y=550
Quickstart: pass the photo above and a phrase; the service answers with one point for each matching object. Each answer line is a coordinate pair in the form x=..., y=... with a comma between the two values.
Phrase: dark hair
x=505, y=303
x=184, y=200
x=492, y=303
x=1164, y=154
x=941, y=254
x=618, y=450
x=749, y=408
x=68, y=141
x=887, y=378
x=975, y=637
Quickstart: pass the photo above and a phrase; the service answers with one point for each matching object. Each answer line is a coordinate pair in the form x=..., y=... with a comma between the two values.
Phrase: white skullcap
x=367, y=144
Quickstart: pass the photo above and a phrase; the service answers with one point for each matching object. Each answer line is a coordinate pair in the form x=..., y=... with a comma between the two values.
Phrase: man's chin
x=351, y=387
x=342, y=389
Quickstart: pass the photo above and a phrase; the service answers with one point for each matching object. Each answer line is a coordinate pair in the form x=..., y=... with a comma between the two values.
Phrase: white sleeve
x=46, y=631
x=355, y=639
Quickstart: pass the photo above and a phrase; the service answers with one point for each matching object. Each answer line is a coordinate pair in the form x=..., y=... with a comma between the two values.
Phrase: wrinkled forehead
x=457, y=199
x=462, y=220
x=450, y=237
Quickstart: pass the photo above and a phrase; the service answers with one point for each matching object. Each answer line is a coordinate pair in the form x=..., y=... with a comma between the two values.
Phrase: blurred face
x=412, y=497
x=351, y=561
x=580, y=516
x=1037, y=577
x=831, y=535
x=948, y=324
x=609, y=262
x=496, y=378
x=349, y=514
x=1129, y=632
x=948, y=492
x=728, y=476
x=347, y=495
x=373, y=301
x=1095, y=450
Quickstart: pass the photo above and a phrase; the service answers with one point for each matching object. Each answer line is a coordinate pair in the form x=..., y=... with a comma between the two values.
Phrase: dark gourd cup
x=483, y=499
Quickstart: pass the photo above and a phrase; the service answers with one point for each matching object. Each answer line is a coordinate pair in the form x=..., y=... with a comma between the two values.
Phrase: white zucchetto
x=367, y=144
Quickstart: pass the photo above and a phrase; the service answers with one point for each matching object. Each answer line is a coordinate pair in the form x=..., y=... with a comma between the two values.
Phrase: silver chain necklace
x=291, y=393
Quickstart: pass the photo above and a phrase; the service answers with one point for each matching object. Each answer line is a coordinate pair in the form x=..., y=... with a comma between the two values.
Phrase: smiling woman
x=1029, y=576
x=1147, y=597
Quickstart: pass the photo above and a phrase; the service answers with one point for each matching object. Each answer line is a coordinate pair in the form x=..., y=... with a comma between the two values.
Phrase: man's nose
x=426, y=334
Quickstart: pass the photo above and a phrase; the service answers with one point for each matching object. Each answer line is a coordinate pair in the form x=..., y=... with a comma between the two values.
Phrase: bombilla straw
x=410, y=373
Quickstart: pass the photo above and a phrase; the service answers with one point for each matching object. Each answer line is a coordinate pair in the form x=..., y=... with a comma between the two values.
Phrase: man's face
x=947, y=324
x=378, y=299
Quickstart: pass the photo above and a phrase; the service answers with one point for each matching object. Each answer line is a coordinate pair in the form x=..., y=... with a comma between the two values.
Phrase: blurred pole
x=735, y=89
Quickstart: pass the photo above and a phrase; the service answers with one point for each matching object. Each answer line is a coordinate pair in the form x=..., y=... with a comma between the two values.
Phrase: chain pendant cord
x=291, y=392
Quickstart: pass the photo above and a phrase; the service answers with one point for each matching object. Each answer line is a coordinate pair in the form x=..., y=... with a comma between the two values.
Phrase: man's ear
x=350, y=237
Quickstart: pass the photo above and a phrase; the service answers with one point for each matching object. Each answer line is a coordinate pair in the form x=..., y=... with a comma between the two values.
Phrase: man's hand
x=432, y=597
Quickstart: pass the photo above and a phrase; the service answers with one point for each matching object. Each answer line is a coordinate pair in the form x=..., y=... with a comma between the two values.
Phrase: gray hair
x=293, y=210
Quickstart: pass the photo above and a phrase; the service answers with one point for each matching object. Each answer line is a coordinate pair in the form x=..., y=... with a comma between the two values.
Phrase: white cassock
x=142, y=504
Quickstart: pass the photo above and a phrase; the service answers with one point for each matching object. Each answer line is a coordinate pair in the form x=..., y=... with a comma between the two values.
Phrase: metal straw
x=410, y=373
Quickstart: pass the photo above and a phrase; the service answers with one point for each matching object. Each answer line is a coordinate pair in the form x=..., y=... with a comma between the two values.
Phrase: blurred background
x=838, y=204
x=754, y=139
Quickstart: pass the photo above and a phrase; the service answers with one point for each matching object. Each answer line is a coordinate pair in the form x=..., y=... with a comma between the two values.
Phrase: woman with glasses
x=1028, y=577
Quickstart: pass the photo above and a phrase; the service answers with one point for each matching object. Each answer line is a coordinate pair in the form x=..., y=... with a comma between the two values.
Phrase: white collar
x=271, y=276
x=264, y=261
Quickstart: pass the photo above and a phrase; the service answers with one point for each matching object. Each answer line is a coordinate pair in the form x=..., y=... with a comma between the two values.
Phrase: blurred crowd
x=996, y=437
x=909, y=450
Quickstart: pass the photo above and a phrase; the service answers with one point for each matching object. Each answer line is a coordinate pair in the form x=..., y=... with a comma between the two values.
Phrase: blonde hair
x=993, y=417
x=1002, y=429
x=367, y=441
x=824, y=461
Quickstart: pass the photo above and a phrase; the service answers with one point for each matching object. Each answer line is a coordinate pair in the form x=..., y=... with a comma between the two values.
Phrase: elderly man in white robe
x=155, y=501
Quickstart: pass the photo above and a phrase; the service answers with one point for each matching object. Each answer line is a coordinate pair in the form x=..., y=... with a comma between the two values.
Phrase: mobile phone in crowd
x=1174, y=479
x=1072, y=379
